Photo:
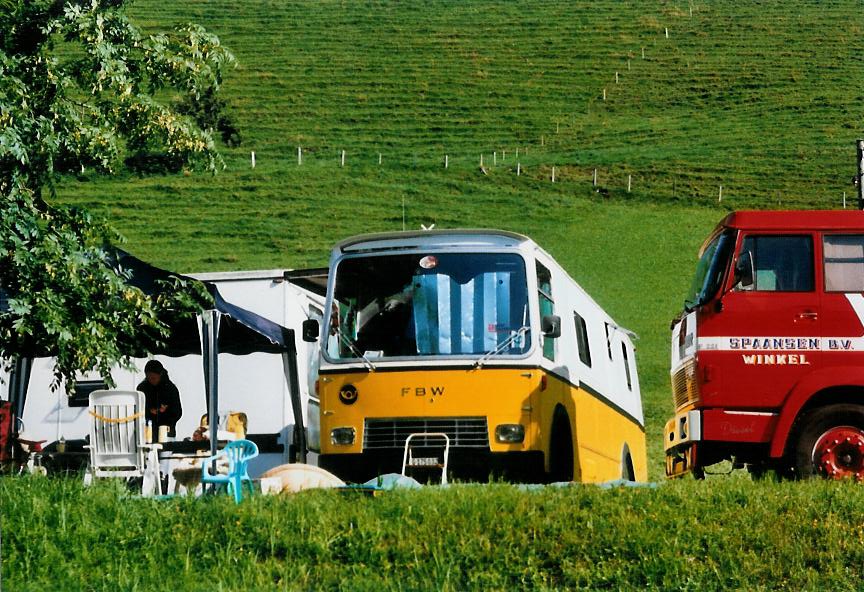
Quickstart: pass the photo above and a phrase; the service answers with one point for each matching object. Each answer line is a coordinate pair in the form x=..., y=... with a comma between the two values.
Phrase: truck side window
x=844, y=262
x=547, y=306
x=780, y=263
x=582, y=339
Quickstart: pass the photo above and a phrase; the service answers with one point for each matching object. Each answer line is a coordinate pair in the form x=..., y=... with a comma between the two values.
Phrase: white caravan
x=254, y=384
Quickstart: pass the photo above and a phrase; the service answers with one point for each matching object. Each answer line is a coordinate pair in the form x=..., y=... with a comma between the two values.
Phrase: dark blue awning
x=241, y=331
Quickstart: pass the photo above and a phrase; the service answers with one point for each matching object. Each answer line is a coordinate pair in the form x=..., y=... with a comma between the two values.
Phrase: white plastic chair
x=117, y=447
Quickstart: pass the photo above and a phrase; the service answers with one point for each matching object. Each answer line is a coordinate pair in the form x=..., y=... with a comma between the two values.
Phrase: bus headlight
x=342, y=436
x=510, y=433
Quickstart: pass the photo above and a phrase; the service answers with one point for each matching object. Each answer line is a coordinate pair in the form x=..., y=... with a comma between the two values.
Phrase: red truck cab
x=767, y=358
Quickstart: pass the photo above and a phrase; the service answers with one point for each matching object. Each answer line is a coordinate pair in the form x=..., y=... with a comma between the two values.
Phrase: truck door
x=771, y=316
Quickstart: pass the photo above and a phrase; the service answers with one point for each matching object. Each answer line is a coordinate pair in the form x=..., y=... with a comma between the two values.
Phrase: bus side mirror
x=744, y=270
x=550, y=325
x=311, y=329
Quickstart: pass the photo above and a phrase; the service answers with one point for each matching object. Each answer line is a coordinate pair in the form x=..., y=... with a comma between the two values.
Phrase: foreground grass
x=723, y=534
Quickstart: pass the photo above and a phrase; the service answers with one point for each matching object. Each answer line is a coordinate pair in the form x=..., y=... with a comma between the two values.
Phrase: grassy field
x=723, y=535
x=763, y=99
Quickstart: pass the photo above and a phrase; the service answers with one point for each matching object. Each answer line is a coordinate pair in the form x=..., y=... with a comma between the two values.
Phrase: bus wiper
x=356, y=351
x=504, y=345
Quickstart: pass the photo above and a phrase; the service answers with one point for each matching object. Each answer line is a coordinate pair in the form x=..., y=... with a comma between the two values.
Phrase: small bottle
x=61, y=445
x=148, y=433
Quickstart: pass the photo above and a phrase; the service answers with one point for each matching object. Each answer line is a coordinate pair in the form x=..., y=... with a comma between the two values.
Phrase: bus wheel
x=830, y=443
x=561, y=449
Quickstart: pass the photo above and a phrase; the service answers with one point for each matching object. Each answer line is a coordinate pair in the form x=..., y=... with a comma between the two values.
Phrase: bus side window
x=608, y=341
x=627, y=366
x=844, y=262
x=582, y=339
x=547, y=306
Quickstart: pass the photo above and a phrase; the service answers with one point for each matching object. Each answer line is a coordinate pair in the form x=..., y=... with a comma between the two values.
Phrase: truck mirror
x=550, y=325
x=744, y=270
x=311, y=329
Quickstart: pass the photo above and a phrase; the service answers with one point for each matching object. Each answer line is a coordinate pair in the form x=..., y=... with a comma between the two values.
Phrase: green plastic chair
x=238, y=453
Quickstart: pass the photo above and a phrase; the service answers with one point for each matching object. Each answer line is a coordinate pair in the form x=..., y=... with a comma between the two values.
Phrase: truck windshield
x=709, y=271
x=441, y=304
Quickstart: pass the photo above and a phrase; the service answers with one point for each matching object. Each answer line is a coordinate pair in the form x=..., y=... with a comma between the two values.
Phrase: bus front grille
x=685, y=389
x=464, y=432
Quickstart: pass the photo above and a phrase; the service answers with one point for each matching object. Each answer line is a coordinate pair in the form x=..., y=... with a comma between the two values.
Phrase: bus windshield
x=435, y=304
x=710, y=270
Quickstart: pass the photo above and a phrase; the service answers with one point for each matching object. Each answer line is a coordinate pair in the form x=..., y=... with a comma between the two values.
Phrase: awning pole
x=13, y=385
x=289, y=365
x=19, y=381
x=13, y=400
x=210, y=356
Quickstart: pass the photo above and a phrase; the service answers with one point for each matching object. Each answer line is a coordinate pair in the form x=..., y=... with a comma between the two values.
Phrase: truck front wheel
x=830, y=443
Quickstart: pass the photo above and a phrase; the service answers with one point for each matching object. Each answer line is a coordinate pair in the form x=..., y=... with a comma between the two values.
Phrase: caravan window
x=547, y=305
x=582, y=339
x=441, y=304
x=80, y=396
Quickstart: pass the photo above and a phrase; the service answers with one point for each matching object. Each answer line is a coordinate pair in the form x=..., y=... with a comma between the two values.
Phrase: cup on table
x=163, y=433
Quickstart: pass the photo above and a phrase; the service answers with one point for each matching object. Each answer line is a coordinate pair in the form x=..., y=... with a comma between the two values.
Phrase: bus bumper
x=681, y=436
x=472, y=465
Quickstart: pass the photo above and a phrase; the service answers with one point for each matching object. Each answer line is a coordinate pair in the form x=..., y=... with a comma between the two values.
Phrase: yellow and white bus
x=482, y=336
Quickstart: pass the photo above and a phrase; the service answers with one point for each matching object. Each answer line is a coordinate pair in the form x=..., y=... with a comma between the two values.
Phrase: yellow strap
x=118, y=420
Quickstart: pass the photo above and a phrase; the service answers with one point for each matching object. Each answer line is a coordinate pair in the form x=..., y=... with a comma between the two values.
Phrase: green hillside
x=761, y=99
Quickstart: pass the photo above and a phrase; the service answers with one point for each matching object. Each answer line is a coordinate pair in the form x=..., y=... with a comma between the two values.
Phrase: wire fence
x=548, y=159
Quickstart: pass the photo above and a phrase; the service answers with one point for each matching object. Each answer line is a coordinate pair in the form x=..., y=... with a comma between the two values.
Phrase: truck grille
x=464, y=432
x=685, y=389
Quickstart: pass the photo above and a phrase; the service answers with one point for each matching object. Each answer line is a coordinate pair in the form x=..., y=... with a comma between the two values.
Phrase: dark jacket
x=165, y=393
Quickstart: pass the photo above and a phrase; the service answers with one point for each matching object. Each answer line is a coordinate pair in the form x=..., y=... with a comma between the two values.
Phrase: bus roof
x=425, y=238
x=795, y=220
